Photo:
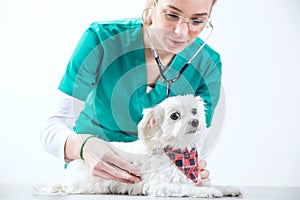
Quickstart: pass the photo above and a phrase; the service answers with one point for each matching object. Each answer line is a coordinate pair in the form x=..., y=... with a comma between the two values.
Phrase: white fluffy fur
x=160, y=177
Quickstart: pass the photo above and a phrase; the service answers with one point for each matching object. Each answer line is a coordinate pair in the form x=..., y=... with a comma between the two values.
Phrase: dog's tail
x=53, y=189
x=76, y=178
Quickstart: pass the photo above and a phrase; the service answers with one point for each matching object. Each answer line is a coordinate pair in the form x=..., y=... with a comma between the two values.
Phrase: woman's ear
x=147, y=13
x=149, y=3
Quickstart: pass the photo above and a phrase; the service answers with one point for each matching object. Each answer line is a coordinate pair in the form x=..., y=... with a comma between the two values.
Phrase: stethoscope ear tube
x=208, y=25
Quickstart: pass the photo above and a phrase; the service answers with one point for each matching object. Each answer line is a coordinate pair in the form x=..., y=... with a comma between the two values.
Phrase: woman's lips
x=178, y=43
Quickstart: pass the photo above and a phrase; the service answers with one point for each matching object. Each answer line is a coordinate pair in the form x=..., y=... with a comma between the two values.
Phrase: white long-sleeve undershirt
x=60, y=124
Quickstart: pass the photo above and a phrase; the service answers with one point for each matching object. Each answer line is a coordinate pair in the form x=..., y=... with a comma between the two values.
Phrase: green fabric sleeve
x=83, y=68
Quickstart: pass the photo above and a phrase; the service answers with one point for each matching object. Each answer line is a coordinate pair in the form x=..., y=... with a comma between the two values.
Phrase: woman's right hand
x=105, y=163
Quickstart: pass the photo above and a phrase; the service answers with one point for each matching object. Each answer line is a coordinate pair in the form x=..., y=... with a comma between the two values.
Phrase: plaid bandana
x=185, y=160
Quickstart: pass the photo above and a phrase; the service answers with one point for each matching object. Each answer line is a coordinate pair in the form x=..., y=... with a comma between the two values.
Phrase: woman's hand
x=204, y=173
x=105, y=163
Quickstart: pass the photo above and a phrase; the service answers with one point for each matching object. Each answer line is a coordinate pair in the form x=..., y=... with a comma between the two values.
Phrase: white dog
x=174, y=126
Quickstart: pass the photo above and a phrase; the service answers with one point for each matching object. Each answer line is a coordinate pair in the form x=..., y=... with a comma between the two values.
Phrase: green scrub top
x=108, y=71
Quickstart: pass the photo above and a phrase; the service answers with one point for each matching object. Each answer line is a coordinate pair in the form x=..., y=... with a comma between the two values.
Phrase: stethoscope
x=161, y=67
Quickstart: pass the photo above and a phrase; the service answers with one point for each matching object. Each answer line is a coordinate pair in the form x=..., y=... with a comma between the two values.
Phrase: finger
x=205, y=182
x=116, y=172
x=202, y=164
x=121, y=163
x=104, y=175
x=101, y=173
x=204, y=174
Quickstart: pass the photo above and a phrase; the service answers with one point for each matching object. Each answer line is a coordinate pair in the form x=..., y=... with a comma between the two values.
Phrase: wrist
x=73, y=146
x=83, y=146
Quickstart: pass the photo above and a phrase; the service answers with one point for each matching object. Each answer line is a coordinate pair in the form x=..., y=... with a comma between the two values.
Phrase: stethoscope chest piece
x=161, y=79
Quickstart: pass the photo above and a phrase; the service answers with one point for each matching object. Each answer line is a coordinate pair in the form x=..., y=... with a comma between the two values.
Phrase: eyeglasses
x=195, y=24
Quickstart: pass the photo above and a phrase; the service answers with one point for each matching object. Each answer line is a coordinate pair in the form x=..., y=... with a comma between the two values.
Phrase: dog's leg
x=180, y=190
x=130, y=189
x=229, y=190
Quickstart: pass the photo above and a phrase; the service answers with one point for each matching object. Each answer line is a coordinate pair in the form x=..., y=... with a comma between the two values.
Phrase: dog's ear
x=199, y=100
x=201, y=103
x=146, y=123
x=201, y=109
x=151, y=122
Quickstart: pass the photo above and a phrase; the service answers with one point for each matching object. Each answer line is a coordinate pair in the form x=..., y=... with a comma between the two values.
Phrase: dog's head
x=177, y=122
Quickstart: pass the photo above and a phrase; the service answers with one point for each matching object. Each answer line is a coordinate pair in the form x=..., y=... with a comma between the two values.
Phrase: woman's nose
x=182, y=29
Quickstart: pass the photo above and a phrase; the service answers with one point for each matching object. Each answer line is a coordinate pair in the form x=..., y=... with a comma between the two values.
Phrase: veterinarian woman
x=114, y=74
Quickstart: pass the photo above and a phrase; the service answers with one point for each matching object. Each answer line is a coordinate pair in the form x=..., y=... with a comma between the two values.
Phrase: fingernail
x=137, y=174
x=136, y=180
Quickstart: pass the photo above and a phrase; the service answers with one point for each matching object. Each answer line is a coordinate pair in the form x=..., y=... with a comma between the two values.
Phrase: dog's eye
x=175, y=116
x=194, y=111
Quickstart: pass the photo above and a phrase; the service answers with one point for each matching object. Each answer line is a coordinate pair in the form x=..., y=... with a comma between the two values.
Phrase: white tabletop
x=25, y=192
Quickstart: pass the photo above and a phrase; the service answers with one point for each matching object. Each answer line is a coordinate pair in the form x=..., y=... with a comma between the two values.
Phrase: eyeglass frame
x=180, y=19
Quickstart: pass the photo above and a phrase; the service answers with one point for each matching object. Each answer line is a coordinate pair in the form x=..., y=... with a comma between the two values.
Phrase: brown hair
x=152, y=1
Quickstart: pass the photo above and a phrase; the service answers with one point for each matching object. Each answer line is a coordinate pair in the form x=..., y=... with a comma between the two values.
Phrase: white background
x=259, y=43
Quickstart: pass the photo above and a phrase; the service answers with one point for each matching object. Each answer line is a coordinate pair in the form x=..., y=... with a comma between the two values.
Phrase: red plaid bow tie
x=185, y=160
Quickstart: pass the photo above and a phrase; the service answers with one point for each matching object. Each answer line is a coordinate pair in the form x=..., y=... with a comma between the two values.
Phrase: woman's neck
x=164, y=55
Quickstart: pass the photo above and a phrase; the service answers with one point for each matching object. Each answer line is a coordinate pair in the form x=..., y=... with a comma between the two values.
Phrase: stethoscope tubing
x=161, y=66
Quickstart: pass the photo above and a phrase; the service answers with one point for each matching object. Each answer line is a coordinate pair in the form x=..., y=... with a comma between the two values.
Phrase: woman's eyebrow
x=177, y=9
x=173, y=7
x=201, y=14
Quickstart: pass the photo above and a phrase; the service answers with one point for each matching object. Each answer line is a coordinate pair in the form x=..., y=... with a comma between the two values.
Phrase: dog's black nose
x=195, y=123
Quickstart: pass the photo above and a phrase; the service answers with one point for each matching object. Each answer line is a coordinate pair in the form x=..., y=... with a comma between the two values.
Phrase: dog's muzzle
x=193, y=126
x=195, y=123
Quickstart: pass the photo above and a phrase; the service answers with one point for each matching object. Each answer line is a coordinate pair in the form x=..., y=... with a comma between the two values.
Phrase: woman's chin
x=175, y=50
x=176, y=46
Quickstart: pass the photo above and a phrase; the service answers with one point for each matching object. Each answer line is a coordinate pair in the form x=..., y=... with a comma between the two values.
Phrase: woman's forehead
x=187, y=6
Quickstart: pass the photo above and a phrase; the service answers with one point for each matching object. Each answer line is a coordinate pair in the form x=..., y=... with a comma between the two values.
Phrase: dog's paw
x=211, y=192
x=230, y=191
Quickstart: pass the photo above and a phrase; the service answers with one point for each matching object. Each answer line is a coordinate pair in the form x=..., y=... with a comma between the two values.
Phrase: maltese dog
x=166, y=155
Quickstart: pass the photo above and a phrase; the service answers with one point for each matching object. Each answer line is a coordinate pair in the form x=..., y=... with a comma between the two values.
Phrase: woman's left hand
x=204, y=173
